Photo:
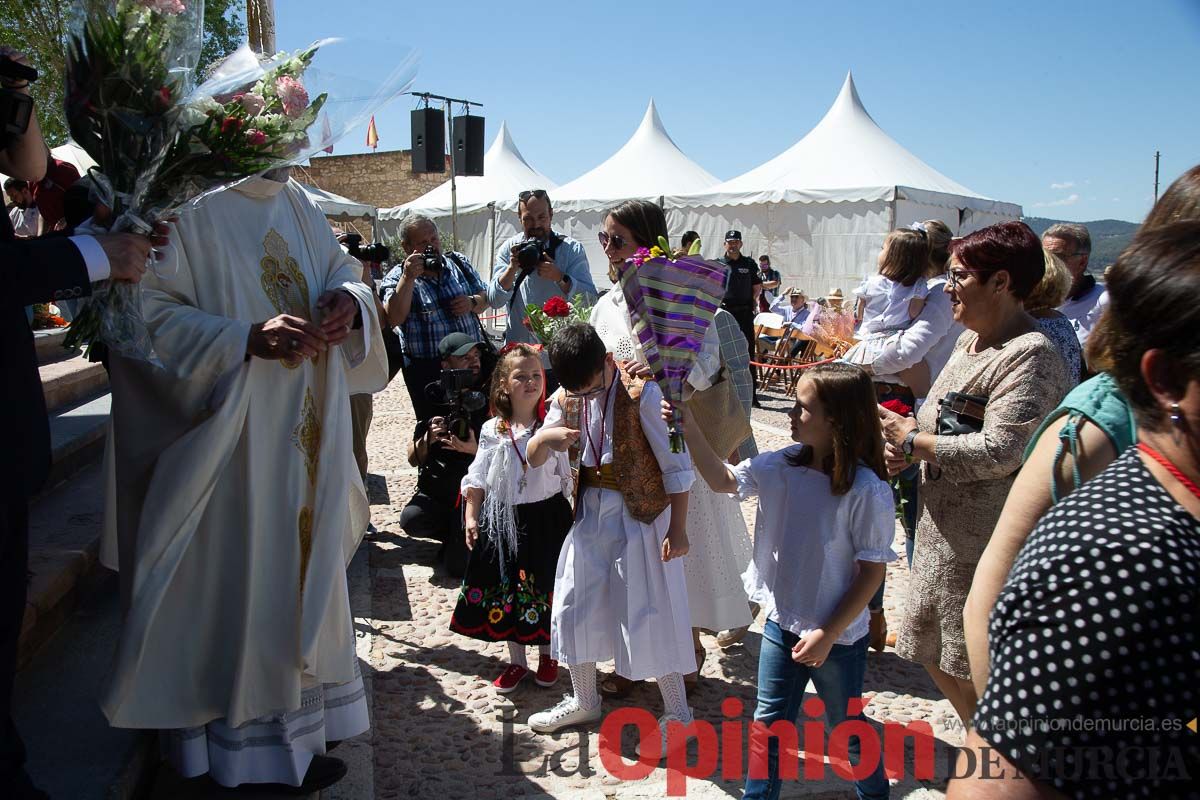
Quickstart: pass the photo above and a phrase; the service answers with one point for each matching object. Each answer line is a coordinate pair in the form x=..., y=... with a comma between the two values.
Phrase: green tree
x=38, y=28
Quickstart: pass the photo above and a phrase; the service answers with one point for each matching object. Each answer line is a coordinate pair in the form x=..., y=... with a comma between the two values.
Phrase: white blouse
x=497, y=457
x=807, y=541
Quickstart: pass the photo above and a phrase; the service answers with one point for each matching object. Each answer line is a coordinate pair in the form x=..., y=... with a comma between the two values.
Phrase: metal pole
x=1156, y=155
x=453, y=185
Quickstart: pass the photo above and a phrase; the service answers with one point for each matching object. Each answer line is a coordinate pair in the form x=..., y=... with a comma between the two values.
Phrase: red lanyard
x=1171, y=468
x=513, y=439
x=603, y=421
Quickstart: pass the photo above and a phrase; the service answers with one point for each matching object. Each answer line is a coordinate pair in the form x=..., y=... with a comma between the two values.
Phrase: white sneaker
x=564, y=715
x=667, y=744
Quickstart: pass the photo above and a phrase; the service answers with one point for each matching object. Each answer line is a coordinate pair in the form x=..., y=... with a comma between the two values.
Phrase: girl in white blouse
x=822, y=537
x=516, y=517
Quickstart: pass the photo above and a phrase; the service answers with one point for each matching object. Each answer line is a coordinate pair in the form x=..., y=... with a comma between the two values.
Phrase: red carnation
x=897, y=406
x=231, y=125
x=556, y=307
x=164, y=96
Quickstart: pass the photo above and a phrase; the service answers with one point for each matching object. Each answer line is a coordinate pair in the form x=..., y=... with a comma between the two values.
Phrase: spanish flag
x=372, y=134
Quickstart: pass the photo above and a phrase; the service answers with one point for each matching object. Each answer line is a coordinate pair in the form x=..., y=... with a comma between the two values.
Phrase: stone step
x=77, y=437
x=48, y=345
x=70, y=379
x=72, y=751
x=64, y=545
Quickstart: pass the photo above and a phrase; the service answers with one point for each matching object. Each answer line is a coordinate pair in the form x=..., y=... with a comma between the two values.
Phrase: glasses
x=956, y=276
x=540, y=194
x=615, y=240
x=590, y=392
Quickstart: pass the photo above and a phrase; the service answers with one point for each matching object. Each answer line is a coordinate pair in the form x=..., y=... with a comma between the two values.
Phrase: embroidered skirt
x=511, y=602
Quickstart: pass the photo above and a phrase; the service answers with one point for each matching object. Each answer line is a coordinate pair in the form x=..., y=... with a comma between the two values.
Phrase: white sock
x=583, y=682
x=674, y=696
x=516, y=654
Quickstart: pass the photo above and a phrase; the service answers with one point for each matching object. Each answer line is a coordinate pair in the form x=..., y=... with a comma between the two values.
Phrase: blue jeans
x=781, y=683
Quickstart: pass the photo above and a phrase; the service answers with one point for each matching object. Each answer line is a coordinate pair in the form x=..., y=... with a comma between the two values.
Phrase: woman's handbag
x=960, y=414
x=718, y=412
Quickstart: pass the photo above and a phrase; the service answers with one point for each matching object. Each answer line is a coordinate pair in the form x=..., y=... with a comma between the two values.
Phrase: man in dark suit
x=34, y=271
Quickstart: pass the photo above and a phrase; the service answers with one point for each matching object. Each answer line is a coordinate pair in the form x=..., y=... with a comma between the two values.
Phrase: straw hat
x=835, y=296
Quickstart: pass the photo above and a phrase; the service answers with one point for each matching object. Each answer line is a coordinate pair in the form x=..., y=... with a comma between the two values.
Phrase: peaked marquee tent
x=480, y=198
x=822, y=208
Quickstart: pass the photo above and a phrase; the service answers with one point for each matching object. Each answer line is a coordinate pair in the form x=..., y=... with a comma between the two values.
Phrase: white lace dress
x=719, y=544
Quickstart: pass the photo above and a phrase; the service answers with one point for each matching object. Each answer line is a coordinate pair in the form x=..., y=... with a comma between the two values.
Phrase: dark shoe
x=323, y=772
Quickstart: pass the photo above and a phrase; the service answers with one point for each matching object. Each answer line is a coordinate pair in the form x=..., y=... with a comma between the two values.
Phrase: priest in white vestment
x=235, y=502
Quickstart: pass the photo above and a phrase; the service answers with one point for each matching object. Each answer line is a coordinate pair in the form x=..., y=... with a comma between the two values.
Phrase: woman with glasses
x=719, y=542
x=1004, y=377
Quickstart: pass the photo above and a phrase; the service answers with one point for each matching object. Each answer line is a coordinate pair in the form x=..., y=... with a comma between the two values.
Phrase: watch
x=909, y=441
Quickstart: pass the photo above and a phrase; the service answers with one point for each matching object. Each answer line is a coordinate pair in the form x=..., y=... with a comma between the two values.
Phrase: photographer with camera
x=34, y=270
x=444, y=444
x=534, y=266
x=427, y=297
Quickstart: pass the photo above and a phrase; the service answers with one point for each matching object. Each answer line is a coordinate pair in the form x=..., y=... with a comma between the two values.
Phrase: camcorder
x=15, y=107
x=377, y=251
x=456, y=388
x=434, y=261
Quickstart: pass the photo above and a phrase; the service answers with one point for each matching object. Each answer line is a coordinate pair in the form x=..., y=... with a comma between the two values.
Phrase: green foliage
x=38, y=28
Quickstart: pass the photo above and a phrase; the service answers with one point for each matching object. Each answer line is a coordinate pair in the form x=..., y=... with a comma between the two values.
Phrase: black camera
x=434, y=260
x=529, y=254
x=377, y=251
x=455, y=388
x=15, y=107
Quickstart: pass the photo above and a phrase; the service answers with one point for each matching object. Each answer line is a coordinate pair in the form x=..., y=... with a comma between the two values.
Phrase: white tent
x=336, y=206
x=506, y=173
x=822, y=208
x=648, y=166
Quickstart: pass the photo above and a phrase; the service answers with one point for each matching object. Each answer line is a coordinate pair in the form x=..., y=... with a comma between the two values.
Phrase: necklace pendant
x=521, y=484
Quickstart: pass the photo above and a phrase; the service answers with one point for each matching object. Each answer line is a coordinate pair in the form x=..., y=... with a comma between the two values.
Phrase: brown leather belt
x=602, y=477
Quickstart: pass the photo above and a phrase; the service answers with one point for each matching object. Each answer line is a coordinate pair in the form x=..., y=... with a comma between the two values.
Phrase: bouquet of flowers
x=672, y=303
x=161, y=142
x=901, y=483
x=550, y=317
x=834, y=330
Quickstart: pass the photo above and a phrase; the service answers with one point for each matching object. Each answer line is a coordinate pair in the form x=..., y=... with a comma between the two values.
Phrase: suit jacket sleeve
x=39, y=270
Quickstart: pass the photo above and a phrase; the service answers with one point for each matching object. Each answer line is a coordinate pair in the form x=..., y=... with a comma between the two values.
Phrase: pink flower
x=164, y=6
x=292, y=94
x=252, y=103
x=641, y=256
x=255, y=136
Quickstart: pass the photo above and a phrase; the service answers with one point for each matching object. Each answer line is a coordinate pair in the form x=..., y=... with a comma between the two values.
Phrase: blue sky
x=1058, y=106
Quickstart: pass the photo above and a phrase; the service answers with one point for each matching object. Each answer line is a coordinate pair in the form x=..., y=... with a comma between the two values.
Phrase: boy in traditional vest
x=620, y=592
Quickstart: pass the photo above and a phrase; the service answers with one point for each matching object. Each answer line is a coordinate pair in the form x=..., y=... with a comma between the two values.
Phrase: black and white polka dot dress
x=1095, y=644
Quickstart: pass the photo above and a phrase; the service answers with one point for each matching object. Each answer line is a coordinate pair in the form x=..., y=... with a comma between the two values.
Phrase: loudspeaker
x=428, y=140
x=467, y=139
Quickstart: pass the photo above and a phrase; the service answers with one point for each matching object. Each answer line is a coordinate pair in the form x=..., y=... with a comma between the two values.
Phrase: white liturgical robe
x=235, y=501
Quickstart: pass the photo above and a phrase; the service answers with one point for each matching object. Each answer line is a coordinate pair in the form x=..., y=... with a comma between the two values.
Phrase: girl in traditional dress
x=516, y=519
x=822, y=539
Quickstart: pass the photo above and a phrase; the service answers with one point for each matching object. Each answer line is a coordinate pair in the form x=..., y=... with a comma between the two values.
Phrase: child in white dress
x=892, y=298
x=620, y=593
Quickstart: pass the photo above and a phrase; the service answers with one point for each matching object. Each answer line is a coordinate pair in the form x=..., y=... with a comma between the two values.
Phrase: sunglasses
x=615, y=240
x=540, y=194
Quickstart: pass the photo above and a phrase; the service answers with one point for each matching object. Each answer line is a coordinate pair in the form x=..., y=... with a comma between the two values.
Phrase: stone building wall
x=381, y=179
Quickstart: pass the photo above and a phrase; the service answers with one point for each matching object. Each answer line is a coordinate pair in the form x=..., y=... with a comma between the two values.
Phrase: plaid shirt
x=735, y=356
x=429, y=320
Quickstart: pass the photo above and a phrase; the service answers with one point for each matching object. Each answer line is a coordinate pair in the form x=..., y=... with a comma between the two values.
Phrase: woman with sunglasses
x=1004, y=377
x=719, y=544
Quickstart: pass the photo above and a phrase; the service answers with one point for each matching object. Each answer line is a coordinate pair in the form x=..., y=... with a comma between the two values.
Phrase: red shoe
x=509, y=679
x=547, y=672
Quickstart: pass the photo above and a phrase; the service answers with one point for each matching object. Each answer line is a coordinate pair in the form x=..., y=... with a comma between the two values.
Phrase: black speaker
x=468, y=145
x=428, y=140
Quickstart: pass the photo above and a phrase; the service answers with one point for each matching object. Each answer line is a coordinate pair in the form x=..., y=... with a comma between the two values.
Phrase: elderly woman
x=719, y=544
x=1042, y=304
x=1002, y=379
x=1099, y=619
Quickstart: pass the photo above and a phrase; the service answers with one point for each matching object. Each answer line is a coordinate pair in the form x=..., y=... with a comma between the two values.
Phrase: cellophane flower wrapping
x=161, y=142
x=672, y=302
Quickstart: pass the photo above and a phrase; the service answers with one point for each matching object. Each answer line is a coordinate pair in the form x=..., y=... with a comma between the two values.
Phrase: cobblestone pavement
x=439, y=729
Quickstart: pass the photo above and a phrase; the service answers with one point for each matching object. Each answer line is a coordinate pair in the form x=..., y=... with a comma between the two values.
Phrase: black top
x=1095, y=644
x=443, y=470
x=743, y=277
x=769, y=274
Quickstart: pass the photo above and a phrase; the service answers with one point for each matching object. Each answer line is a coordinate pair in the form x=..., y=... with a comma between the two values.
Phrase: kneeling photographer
x=443, y=447
x=427, y=297
x=534, y=266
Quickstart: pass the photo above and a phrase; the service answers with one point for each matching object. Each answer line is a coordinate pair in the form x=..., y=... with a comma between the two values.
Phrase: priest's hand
x=636, y=369
x=339, y=311
x=285, y=337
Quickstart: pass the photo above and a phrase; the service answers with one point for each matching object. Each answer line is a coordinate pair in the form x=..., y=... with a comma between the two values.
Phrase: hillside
x=1109, y=238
